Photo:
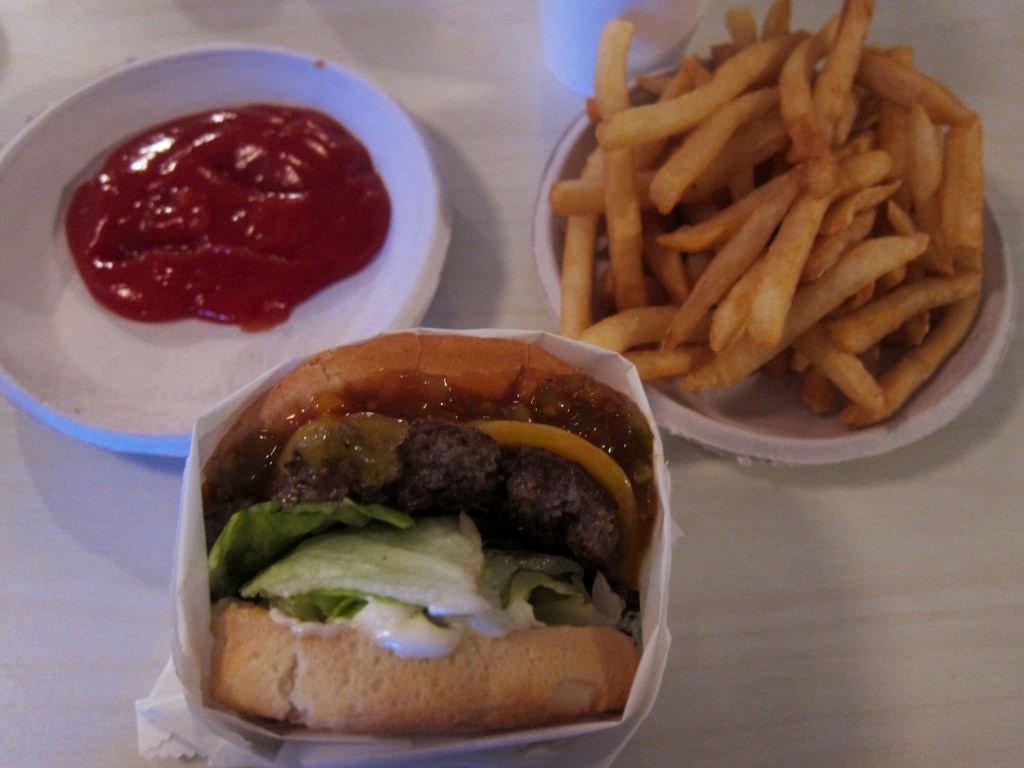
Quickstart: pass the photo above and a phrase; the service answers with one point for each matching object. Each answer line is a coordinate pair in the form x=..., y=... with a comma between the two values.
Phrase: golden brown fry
x=782, y=266
x=623, y=225
x=611, y=74
x=682, y=81
x=622, y=204
x=577, y=278
x=720, y=226
x=666, y=264
x=585, y=196
x=918, y=365
x=729, y=319
x=751, y=145
x=868, y=325
x=651, y=122
x=862, y=170
x=700, y=147
x=925, y=177
x=900, y=221
x=796, y=102
x=907, y=86
x=858, y=299
x=637, y=327
x=577, y=284
x=844, y=370
x=913, y=332
x=653, y=83
x=697, y=71
x=816, y=391
x=741, y=26
x=777, y=19
x=850, y=117
x=658, y=364
x=829, y=249
x=732, y=261
x=813, y=301
x=962, y=195
x=833, y=84
x=894, y=138
x=925, y=157
x=842, y=213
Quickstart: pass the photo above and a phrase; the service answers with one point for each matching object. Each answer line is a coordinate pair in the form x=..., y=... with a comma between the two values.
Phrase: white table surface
x=870, y=613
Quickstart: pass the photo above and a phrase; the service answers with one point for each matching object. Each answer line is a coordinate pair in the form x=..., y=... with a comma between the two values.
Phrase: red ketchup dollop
x=233, y=216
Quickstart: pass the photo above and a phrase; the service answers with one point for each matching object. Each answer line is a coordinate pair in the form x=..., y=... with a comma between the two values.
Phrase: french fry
x=796, y=103
x=828, y=249
x=833, y=83
x=654, y=364
x=585, y=196
x=698, y=150
x=611, y=73
x=777, y=19
x=783, y=264
x=925, y=157
x=893, y=133
x=914, y=331
x=719, y=227
x=843, y=369
x=622, y=205
x=577, y=283
x=637, y=327
x=665, y=263
x=962, y=195
x=730, y=262
x=816, y=391
x=747, y=148
x=652, y=122
x=924, y=178
x=623, y=225
x=843, y=212
x=901, y=222
x=918, y=365
x=863, y=328
x=813, y=301
x=741, y=26
x=907, y=86
x=697, y=71
x=684, y=80
x=861, y=170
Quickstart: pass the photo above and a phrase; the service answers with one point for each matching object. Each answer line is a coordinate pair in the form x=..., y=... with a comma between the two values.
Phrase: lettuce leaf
x=257, y=536
x=323, y=605
x=434, y=564
x=550, y=588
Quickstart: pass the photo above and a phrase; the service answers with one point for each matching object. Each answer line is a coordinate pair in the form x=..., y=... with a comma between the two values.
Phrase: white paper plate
x=138, y=387
x=761, y=417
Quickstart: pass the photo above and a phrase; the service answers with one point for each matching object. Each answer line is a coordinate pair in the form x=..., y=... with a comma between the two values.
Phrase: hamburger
x=425, y=534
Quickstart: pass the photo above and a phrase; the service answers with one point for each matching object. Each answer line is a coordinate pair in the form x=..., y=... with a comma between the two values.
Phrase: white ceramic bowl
x=761, y=417
x=138, y=387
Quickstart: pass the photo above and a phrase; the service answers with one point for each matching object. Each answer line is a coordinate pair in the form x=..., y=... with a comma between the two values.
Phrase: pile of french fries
x=799, y=203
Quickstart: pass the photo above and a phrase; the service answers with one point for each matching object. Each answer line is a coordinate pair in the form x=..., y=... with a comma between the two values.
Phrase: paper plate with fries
x=787, y=237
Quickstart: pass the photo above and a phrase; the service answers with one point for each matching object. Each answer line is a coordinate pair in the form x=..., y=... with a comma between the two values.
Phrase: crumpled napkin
x=167, y=729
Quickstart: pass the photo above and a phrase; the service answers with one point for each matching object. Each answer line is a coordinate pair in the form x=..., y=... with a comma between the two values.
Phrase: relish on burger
x=429, y=533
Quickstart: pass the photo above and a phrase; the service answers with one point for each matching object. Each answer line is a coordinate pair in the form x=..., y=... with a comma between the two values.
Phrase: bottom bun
x=344, y=682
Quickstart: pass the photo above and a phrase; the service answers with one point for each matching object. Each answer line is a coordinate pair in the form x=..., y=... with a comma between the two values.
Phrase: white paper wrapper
x=178, y=720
